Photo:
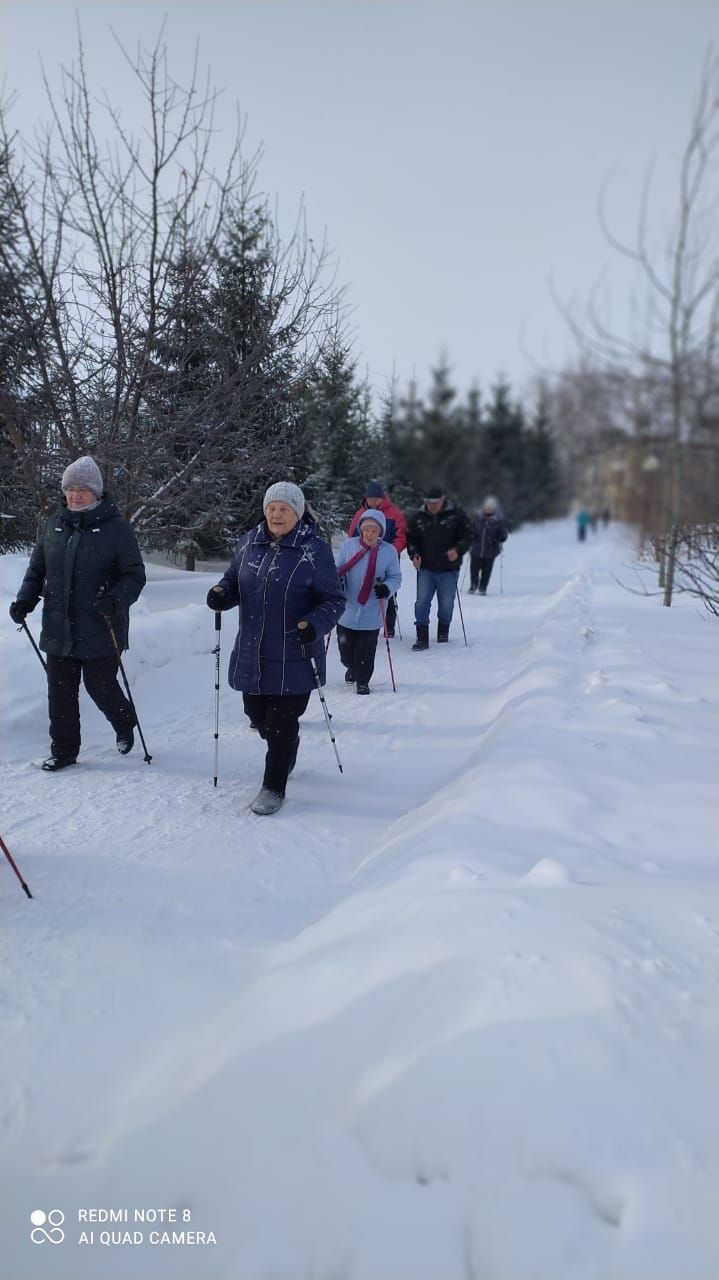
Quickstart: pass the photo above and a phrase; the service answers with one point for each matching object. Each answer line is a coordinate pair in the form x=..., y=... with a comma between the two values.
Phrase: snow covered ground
x=449, y=1016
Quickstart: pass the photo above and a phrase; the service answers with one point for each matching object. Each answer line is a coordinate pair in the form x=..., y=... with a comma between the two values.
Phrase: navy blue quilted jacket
x=276, y=584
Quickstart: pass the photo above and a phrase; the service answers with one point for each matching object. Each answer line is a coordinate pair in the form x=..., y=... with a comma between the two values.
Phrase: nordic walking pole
x=386, y=640
x=461, y=615
x=328, y=717
x=29, y=635
x=316, y=675
x=329, y=637
x=13, y=864
x=216, y=652
x=147, y=757
x=501, y=571
x=396, y=617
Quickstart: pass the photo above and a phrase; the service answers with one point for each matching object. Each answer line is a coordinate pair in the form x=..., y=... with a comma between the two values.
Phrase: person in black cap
x=438, y=535
x=376, y=499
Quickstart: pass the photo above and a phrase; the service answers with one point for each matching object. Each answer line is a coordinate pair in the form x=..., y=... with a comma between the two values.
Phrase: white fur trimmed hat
x=285, y=491
x=84, y=473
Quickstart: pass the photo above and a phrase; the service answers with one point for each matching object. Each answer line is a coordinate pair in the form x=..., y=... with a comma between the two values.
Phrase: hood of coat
x=373, y=513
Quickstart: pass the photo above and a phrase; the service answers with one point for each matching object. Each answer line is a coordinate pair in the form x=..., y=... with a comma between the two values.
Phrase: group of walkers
x=288, y=590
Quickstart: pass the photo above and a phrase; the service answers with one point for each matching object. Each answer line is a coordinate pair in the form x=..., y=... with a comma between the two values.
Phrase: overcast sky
x=452, y=150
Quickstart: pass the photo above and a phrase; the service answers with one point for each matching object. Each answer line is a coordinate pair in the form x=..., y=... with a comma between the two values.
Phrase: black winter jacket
x=431, y=537
x=488, y=534
x=81, y=556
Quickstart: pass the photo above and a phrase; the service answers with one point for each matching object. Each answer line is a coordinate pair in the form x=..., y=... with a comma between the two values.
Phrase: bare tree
x=674, y=364
x=115, y=227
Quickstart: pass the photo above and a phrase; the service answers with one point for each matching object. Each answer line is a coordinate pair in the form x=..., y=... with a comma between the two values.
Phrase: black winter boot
x=442, y=632
x=422, y=641
x=53, y=763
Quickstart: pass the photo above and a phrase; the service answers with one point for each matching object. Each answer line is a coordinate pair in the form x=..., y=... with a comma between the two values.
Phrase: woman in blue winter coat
x=371, y=572
x=284, y=581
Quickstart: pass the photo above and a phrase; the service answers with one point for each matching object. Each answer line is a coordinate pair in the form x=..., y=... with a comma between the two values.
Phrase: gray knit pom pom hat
x=84, y=473
x=285, y=491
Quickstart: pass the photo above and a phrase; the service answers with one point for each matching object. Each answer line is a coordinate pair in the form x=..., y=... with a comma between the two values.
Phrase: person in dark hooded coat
x=489, y=533
x=88, y=568
x=284, y=580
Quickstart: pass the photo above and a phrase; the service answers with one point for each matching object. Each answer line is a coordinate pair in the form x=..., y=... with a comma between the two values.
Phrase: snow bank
x=449, y=1014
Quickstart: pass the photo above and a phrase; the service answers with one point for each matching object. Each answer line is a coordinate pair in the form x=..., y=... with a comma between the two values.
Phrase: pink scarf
x=365, y=590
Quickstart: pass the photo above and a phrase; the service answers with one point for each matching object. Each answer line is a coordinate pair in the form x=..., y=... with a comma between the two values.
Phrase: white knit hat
x=285, y=491
x=84, y=473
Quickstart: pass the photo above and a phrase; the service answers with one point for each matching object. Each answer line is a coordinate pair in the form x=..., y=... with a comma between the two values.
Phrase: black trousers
x=357, y=652
x=99, y=676
x=480, y=571
x=277, y=716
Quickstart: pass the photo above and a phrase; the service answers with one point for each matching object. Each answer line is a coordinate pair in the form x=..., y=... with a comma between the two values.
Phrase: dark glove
x=19, y=611
x=381, y=590
x=217, y=599
x=306, y=634
x=109, y=607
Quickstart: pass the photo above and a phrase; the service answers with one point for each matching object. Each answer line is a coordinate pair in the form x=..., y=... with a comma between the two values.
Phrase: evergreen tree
x=28, y=466
x=543, y=484
x=342, y=446
x=442, y=435
x=501, y=464
x=430, y=441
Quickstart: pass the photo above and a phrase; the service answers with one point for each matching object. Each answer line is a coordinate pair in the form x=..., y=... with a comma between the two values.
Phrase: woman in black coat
x=489, y=532
x=88, y=568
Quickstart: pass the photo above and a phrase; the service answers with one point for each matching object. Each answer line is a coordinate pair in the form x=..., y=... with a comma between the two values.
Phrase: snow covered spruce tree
x=175, y=330
x=501, y=456
x=544, y=490
x=341, y=443
x=429, y=441
x=26, y=447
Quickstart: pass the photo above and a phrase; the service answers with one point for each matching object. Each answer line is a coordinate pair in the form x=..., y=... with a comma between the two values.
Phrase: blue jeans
x=445, y=585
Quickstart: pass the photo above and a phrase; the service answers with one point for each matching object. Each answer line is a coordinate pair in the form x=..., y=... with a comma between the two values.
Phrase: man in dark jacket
x=88, y=567
x=489, y=532
x=438, y=535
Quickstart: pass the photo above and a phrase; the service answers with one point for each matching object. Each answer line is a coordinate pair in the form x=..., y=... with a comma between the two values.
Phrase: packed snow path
x=449, y=1016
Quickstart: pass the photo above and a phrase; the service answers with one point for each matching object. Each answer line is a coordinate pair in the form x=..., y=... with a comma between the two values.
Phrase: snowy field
x=449, y=1016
